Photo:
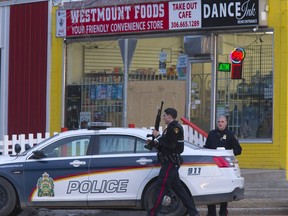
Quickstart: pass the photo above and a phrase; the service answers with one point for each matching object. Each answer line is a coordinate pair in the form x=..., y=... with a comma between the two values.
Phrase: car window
x=69, y=147
x=116, y=144
x=140, y=146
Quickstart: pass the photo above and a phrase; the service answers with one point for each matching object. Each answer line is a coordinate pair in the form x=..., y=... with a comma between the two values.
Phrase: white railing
x=7, y=146
x=191, y=133
x=194, y=136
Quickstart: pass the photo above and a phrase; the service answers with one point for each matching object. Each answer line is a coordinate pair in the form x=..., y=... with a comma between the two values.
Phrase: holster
x=176, y=159
x=162, y=158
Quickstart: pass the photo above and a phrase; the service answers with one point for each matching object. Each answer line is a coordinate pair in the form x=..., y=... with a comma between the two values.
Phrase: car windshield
x=40, y=143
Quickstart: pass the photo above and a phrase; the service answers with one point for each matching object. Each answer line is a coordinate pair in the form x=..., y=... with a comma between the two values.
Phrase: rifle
x=156, y=127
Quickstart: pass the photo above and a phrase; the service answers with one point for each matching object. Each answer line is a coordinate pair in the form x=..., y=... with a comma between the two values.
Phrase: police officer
x=170, y=145
x=222, y=137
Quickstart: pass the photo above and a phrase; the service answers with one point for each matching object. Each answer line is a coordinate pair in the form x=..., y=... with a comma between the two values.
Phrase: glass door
x=200, y=94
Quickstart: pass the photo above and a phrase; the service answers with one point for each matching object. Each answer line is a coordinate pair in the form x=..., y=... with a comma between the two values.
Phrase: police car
x=110, y=168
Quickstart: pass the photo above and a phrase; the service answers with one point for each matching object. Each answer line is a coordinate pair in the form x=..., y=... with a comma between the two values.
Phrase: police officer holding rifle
x=170, y=145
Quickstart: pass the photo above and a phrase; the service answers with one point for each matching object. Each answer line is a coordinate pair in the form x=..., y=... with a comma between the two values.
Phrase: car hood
x=7, y=158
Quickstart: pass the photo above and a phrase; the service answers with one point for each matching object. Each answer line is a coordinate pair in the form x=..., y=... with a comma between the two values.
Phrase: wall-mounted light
x=255, y=29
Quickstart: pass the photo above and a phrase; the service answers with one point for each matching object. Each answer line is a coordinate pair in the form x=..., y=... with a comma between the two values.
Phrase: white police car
x=110, y=168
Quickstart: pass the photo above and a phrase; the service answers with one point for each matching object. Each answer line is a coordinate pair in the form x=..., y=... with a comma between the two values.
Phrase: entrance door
x=200, y=94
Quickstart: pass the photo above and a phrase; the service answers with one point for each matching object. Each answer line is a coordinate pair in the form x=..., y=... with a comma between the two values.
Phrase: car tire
x=175, y=208
x=8, y=198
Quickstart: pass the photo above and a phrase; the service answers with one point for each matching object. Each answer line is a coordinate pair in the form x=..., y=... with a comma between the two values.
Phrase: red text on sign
x=185, y=14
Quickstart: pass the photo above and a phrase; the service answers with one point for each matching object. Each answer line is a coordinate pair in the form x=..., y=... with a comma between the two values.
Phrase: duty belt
x=176, y=159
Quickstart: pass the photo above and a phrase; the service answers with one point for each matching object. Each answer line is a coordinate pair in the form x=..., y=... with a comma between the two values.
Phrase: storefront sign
x=237, y=57
x=162, y=62
x=156, y=16
x=224, y=67
x=113, y=19
x=230, y=13
x=184, y=15
x=236, y=71
x=182, y=64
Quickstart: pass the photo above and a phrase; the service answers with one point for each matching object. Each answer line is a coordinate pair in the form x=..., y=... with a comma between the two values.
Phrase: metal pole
x=64, y=68
x=188, y=90
x=48, y=94
x=125, y=84
x=214, y=39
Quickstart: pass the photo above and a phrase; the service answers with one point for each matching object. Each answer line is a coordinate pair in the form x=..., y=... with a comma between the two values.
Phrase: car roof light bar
x=99, y=125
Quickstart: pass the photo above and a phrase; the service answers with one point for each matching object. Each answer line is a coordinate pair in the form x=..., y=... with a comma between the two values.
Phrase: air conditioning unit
x=197, y=45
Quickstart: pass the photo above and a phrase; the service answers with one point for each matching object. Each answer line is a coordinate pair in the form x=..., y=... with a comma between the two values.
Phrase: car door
x=119, y=169
x=61, y=177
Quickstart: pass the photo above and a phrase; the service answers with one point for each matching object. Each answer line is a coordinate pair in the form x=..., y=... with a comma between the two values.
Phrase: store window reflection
x=248, y=102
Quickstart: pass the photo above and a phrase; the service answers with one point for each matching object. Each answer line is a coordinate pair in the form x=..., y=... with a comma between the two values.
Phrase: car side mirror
x=38, y=154
x=17, y=148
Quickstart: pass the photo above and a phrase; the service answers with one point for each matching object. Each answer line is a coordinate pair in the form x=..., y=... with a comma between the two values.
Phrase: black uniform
x=169, y=146
x=225, y=138
x=228, y=140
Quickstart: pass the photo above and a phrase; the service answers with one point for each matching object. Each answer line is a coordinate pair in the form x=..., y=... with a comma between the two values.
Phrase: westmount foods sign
x=157, y=16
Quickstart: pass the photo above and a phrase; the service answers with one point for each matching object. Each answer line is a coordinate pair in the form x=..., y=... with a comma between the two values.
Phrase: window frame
x=136, y=140
x=68, y=140
x=227, y=108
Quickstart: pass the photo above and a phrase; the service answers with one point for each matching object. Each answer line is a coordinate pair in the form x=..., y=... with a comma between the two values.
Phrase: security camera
x=255, y=29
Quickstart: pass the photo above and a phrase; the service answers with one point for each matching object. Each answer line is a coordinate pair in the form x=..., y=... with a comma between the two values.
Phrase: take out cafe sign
x=156, y=16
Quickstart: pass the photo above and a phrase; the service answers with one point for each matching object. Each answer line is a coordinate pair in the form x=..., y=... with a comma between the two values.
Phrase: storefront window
x=248, y=100
x=95, y=81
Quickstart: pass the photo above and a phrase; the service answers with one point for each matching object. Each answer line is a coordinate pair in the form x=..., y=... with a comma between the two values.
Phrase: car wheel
x=8, y=197
x=171, y=204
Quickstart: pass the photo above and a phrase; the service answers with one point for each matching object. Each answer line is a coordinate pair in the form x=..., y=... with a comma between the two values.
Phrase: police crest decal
x=45, y=185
